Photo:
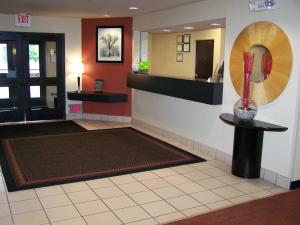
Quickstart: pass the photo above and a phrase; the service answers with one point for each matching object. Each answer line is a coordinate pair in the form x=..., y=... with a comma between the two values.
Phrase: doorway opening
x=204, y=59
x=32, y=76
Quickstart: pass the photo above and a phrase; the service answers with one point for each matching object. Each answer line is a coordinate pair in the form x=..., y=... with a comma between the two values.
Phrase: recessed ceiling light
x=166, y=30
x=133, y=8
x=106, y=15
x=215, y=24
x=189, y=28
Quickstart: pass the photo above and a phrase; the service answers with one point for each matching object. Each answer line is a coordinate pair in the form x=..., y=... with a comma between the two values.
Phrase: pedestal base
x=247, y=152
x=247, y=146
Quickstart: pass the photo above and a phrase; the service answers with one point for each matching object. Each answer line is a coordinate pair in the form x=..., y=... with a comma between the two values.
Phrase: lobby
x=192, y=125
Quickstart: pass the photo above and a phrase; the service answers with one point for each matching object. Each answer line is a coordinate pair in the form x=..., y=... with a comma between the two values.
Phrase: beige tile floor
x=144, y=198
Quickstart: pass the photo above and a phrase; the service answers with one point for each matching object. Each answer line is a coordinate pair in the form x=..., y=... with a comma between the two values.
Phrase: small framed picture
x=179, y=57
x=179, y=47
x=99, y=86
x=186, y=47
x=186, y=38
x=179, y=39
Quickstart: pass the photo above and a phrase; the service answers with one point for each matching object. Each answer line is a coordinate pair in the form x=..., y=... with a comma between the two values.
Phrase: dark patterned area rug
x=31, y=130
x=59, y=158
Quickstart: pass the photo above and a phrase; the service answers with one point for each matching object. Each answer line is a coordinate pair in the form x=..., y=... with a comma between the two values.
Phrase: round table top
x=253, y=124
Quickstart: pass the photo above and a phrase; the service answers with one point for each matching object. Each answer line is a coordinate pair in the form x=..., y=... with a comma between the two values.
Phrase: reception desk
x=189, y=89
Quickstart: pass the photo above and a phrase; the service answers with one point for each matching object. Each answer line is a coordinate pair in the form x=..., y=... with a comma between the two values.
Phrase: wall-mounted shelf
x=194, y=90
x=97, y=97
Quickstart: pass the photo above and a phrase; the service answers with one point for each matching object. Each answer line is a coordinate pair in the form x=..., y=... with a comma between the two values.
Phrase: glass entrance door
x=11, y=80
x=32, y=83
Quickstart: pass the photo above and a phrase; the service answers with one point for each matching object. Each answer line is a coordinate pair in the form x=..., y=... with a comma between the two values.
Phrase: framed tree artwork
x=109, y=44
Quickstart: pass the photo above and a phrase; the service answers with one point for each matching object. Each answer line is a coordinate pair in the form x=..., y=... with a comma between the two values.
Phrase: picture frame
x=179, y=39
x=179, y=57
x=99, y=86
x=186, y=47
x=109, y=44
x=179, y=47
x=186, y=38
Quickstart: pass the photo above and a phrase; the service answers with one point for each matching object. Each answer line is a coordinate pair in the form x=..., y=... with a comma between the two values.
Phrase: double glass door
x=32, y=79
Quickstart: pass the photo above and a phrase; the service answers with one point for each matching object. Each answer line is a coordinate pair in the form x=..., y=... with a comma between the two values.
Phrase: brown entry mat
x=52, y=159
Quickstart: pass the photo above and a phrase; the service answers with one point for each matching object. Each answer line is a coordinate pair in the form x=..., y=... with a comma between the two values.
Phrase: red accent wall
x=113, y=74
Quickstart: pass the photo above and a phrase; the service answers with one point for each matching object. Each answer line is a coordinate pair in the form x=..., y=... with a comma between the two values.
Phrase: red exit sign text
x=22, y=20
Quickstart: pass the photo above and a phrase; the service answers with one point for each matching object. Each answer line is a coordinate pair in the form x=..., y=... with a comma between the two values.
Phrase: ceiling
x=203, y=25
x=88, y=8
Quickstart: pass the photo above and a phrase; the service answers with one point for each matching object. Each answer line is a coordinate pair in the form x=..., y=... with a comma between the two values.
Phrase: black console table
x=248, y=142
x=97, y=97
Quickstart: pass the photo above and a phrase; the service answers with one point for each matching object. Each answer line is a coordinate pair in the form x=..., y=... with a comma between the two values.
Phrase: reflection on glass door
x=31, y=76
x=8, y=60
x=11, y=96
x=50, y=55
x=44, y=77
x=34, y=60
x=3, y=58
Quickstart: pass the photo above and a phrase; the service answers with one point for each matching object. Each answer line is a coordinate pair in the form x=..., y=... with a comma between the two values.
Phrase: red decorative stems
x=266, y=64
x=248, y=63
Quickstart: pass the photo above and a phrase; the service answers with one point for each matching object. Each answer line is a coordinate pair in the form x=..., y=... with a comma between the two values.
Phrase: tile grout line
x=73, y=204
x=212, y=189
x=52, y=207
x=42, y=205
x=178, y=173
x=6, y=195
x=140, y=205
x=110, y=210
x=177, y=189
x=196, y=192
x=140, y=181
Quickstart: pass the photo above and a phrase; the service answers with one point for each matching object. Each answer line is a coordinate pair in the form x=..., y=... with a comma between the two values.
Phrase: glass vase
x=242, y=113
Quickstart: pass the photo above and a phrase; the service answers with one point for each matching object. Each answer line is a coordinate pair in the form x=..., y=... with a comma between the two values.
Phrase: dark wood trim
x=295, y=184
x=194, y=90
x=97, y=97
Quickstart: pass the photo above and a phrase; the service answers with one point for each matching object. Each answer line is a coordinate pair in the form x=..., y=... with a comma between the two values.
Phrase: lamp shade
x=78, y=68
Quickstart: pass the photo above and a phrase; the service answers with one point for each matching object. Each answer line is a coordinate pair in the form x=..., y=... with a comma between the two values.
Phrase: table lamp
x=78, y=68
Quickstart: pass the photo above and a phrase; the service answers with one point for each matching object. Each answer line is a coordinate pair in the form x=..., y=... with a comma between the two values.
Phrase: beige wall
x=163, y=52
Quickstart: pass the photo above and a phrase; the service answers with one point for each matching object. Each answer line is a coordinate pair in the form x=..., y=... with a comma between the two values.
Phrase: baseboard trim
x=295, y=184
x=102, y=117
x=196, y=147
x=99, y=117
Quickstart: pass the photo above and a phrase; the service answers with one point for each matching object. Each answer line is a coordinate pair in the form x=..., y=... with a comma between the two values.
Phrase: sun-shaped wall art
x=272, y=61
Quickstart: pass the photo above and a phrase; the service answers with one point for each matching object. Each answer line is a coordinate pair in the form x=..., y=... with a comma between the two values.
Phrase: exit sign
x=22, y=20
